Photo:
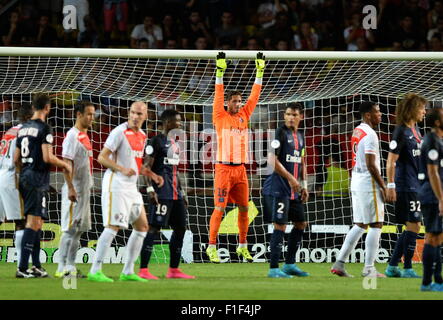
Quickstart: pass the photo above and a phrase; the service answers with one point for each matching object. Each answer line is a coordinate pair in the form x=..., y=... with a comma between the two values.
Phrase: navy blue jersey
x=289, y=151
x=431, y=153
x=166, y=160
x=30, y=138
x=406, y=142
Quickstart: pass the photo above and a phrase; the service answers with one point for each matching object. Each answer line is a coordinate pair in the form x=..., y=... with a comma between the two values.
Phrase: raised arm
x=219, y=100
x=252, y=101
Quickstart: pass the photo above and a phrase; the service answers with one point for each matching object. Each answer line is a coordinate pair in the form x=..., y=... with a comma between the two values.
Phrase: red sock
x=243, y=225
x=214, y=225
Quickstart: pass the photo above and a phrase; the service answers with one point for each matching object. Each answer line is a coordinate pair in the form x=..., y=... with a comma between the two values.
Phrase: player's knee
x=362, y=225
x=280, y=227
x=153, y=229
x=179, y=231
x=378, y=225
x=301, y=225
x=20, y=225
x=413, y=227
x=243, y=209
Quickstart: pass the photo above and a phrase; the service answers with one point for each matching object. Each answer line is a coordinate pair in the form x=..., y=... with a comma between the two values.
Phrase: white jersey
x=77, y=147
x=364, y=141
x=7, y=150
x=127, y=149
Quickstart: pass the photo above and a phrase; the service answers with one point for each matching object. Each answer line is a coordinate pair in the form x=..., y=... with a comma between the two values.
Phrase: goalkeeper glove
x=221, y=64
x=260, y=65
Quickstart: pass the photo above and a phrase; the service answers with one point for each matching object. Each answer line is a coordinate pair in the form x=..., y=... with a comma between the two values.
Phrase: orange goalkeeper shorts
x=231, y=185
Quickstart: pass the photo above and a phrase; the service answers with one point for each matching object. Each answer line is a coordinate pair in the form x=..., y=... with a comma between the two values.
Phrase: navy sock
x=276, y=245
x=428, y=264
x=294, y=242
x=145, y=254
x=398, y=251
x=437, y=271
x=409, y=243
x=175, y=248
x=27, y=248
x=36, y=251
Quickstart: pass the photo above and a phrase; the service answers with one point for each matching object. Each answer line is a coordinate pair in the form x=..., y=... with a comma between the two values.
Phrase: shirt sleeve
x=152, y=147
x=371, y=144
x=431, y=152
x=250, y=105
x=47, y=135
x=279, y=140
x=114, y=140
x=397, y=140
x=219, y=103
x=69, y=146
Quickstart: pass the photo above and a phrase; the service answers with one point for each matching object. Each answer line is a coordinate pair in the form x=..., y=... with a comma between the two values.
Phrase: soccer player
x=122, y=203
x=403, y=164
x=368, y=193
x=284, y=201
x=163, y=160
x=430, y=195
x=231, y=183
x=11, y=203
x=33, y=158
x=76, y=206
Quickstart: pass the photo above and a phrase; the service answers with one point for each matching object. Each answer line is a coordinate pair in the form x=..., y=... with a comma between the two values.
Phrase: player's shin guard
x=147, y=247
x=398, y=251
x=371, y=246
x=103, y=244
x=294, y=242
x=214, y=225
x=133, y=248
x=243, y=225
x=437, y=270
x=175, y=247
x=65, y=243
x=72, y=252
x=428, y=263
x=409, y=243
x=276, y=246
x=351, y=241
x=36, y=250
x=27, y=248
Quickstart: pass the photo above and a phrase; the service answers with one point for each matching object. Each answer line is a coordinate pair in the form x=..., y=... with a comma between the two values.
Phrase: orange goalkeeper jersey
x=232, y=130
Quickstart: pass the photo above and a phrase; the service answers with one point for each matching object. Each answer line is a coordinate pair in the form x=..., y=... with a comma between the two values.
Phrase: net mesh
x=329, y=90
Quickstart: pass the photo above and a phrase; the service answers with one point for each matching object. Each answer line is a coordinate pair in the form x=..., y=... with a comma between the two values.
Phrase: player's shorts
x=11, y=205
x=78, y=213
x=231, y=185
x=121, y=208
x=433, y=222
x=168, y=213
x=367, y=207
x=283, y=210
x=407, y=208
x=35, y=199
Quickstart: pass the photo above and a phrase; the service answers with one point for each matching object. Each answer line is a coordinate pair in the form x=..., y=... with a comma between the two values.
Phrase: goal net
x=330, y=86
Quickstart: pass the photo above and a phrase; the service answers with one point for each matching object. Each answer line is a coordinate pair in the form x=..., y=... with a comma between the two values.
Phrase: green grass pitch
x=236, y=281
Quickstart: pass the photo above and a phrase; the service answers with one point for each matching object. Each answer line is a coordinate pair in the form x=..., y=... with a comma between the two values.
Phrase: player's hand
x=391, y=195
x=221, y=64
x=72, y=195
x=260, y=64
x=128, y=172
x=304, y=195
x=293, y=183
x=158, y=180
x=440, y=208
x=153, y=199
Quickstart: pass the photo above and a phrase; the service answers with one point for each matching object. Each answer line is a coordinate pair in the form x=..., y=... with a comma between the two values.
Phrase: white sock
x=351, y=241
x=63, y=247
x=371, y=246
x=18, y=244
x=242, y=245
x=133, y=249
x=72, y=252
x=212, y=246
x=103, y=244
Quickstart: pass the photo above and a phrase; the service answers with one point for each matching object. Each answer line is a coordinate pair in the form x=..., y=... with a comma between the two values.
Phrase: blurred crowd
x=225, y=24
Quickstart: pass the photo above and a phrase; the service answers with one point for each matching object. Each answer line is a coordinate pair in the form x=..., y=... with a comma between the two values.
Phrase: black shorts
x=171, y=213
x=407, y=208
x=433, y=222
x=35, y=199
x=283, y=210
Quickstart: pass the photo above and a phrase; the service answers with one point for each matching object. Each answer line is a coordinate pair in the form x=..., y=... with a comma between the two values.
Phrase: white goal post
x=330, y=86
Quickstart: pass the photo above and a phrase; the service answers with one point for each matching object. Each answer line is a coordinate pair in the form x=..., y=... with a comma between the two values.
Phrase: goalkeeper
x=231, y=182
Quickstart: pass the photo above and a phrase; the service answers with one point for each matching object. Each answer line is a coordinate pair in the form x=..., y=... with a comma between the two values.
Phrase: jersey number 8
x=25, y=147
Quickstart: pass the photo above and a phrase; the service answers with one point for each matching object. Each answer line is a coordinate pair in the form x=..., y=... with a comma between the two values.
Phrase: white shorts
x=367, y=207
x=76, y=213
x=11, y=204
x=121, y=208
